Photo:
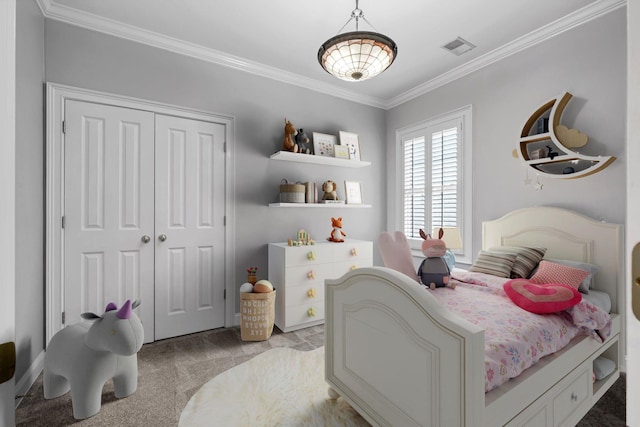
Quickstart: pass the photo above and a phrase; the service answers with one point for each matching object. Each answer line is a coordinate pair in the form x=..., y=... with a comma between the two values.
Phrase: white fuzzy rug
x=280, y=387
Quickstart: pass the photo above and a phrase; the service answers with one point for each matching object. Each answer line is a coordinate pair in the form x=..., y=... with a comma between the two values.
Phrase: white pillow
x=603, y=367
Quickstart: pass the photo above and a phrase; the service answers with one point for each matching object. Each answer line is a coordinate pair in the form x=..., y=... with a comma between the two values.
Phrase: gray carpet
x=171, y=371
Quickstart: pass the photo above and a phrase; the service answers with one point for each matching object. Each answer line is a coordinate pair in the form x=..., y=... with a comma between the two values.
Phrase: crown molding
x=574, y=19
x=93, y=22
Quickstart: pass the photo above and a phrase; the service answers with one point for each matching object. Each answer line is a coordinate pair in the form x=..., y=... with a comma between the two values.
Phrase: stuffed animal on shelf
x=336, y=232
x=304, y=143
x=290, y=132
x=329, y=187
x=434, y=271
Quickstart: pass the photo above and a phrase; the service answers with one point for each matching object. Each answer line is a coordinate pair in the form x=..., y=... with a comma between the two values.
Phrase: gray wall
x=588, y=61
x=92, y=60
x=29, y=185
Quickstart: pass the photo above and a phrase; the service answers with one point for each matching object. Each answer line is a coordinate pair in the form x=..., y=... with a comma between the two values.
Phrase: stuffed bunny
x=434, y=271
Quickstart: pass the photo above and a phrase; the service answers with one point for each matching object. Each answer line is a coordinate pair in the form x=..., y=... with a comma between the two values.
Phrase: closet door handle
x=145, y=239
x=162, y=237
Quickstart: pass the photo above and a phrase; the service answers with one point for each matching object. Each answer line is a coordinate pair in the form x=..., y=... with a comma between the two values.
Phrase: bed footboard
x=397, y=356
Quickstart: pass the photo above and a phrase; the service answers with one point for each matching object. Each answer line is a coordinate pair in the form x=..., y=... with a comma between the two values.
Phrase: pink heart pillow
x=541, y=298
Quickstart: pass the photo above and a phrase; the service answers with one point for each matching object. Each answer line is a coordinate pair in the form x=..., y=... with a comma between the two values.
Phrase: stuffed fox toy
x=336, y=232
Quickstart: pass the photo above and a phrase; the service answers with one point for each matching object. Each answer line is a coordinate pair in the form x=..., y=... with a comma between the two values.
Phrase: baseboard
x=24, y=384
x=236, y=319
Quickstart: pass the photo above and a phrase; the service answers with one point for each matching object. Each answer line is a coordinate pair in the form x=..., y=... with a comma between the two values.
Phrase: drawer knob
x=354, y=252
x=353, y=267
x=311, y=275
x=574, y=397
x=311, y=312
x=311, y=256
x=311, y=293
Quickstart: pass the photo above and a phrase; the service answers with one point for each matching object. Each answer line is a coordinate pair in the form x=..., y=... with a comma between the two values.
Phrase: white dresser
x=298, y=274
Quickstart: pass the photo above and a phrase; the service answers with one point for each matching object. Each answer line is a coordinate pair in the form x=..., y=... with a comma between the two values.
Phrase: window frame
x=425, y=128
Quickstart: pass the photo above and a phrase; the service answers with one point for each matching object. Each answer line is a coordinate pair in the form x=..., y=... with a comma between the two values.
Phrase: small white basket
x=291, y=193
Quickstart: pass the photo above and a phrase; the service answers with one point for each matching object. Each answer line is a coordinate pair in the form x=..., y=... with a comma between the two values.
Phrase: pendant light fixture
x=357, y=55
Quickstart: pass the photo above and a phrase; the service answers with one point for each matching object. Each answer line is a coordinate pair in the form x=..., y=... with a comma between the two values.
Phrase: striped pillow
x=526, y=259
x=494, y=263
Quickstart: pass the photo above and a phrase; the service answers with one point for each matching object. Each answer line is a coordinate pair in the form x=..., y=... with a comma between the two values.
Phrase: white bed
x=400, y=359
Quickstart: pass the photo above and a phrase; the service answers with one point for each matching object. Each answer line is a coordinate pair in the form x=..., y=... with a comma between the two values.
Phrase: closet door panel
x=189, y=220
x=108, y=208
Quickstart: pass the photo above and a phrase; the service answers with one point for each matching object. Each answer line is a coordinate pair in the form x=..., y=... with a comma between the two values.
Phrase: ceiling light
x=357, y=55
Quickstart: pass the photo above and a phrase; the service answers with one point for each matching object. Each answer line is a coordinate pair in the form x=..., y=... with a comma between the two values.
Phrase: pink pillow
x=550, y=272
x=541, y=298
x=396, y=253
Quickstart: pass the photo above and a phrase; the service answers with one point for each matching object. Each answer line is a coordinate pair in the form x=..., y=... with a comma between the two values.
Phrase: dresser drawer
x=306, y=294
x=305, y=255
x=300, y=314
x=571, y=397
x=352, y=250
x=341, y=268
x=307, y=274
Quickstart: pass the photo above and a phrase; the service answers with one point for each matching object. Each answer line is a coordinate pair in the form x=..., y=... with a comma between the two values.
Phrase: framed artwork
x=353, y=192
x=323, y=144
x=350, y=140
x=341, y=151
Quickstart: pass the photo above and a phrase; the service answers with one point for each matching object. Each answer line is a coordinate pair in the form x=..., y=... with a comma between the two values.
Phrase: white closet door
x=189, y=226
x=108, y=210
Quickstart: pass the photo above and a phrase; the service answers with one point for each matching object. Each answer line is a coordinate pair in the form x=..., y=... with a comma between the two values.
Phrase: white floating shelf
x=319, y=160
x=316, y=205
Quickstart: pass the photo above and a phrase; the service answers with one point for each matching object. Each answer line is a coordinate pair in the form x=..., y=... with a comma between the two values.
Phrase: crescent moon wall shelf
x=547, y=146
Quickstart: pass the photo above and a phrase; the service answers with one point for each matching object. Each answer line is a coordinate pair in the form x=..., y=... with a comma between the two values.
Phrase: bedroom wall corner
x=29, y=208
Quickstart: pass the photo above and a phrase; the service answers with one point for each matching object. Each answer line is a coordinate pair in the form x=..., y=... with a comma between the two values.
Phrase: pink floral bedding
x=516, y=339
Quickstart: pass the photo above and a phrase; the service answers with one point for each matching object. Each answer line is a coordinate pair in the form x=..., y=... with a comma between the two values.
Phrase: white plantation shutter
x=414, y=186
x=432, y=174
x=444, y=178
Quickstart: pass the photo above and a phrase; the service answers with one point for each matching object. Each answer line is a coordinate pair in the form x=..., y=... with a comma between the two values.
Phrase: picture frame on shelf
x=323, y=144
x=353, y=192
x=352, y=141
x=341, y=151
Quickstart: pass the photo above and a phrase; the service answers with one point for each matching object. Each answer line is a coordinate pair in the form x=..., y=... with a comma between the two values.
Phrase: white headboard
x=566, y=235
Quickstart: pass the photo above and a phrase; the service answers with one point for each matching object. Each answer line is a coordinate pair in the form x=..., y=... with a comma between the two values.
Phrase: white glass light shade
x=451, y=236
x=358, y=55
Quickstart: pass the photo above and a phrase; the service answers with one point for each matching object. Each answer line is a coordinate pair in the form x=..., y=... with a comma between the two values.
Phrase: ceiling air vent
x=458, y=46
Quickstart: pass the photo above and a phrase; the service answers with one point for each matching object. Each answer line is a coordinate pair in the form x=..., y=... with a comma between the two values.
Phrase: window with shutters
x=435, y=190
